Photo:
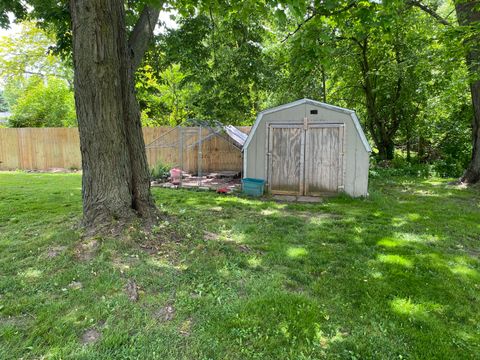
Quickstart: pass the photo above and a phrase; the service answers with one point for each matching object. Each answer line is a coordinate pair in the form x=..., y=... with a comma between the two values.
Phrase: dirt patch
x=468, y=250
x=55, y=251
x=54, y=170
x=124, y=263
x=153, y=239
x=87, y=250
x=166, y=313
x=227, y=182
x=90, y=336
x=131, y=289
x=313, y=215
x=20, y=320
x=210, y=236
x=244, y=248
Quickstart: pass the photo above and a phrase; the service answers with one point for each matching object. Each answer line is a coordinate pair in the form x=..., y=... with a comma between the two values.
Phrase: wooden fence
x=47, y=148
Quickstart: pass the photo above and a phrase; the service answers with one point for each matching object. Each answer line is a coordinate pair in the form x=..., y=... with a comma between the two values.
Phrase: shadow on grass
x=393, y=275
x=400, y=266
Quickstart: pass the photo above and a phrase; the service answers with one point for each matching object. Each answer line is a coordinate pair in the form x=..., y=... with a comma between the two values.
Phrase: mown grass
x=390, y=277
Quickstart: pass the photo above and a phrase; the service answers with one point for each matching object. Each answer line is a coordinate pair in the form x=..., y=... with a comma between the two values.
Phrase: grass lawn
x=396, y=276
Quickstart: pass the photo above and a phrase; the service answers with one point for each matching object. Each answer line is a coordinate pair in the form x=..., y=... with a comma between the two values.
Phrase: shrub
x=400, y=166
x=44, y=104
x=160, y=171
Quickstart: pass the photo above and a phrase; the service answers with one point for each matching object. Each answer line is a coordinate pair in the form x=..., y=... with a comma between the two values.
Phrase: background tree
x=3, y=103
x=468, y=14
x=381, y=59
x=38, y=82
x=221, y=49
x=167, y=100
x=31, y=52
x=44, y=103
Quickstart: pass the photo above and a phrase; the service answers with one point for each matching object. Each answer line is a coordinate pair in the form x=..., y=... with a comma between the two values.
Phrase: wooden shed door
x=285, y=148
x=305, y=159
x=323, y=159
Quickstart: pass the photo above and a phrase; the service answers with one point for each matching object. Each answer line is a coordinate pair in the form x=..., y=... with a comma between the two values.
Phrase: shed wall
x=356, y=158
x=362, y=165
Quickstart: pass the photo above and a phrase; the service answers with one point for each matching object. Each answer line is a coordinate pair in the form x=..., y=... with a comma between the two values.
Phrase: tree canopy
x=402, y=65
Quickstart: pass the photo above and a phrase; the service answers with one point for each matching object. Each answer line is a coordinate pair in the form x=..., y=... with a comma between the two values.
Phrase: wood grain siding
x=305, y=159
x=286, y=159
x=323, y=159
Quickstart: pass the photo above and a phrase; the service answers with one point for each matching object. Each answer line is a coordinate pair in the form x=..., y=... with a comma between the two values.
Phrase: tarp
x=238, y=136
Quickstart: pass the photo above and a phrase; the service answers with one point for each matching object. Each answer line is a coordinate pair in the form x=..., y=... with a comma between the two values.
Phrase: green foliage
x=401, y=70
x=44, y=104
x=161, y=171
x=3, y=102
x=399, y=167
x=14, y=88
x=166, y=99
x=389, y=277
x=29, y=52
x=176, y=94
x=228, y=60
x=223, y=57
x=37, y=81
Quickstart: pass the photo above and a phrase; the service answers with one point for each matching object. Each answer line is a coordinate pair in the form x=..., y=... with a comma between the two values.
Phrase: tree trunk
x=115, y=182
x=468, y=14
x=386, y=150
x=409, y=144
x=377, y=126
x=324, y=84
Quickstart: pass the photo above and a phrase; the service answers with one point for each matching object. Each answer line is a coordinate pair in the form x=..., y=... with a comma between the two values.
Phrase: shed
x=308, y=148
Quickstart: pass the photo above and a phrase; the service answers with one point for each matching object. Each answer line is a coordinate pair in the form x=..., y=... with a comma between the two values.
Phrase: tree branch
x=299, y=26
x=316, y=12
x=429, y=11
x=142, y=34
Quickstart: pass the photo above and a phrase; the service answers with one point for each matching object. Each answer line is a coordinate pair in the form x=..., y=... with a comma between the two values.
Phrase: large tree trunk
x=468, y=14
x=386, y=150
x=382, y=137
x=116, y=182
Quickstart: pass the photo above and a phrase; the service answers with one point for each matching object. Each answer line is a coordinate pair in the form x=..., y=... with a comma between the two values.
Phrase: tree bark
x=324, y=84
x=468, y=14
x=381, y=135
x=115, y=182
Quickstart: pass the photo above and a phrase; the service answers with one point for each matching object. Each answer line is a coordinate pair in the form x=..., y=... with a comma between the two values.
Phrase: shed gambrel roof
x=352, y=114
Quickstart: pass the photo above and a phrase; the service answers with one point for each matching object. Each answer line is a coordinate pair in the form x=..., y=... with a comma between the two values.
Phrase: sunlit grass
x=392, y=276
x=418, y=311
x=297, y=252
x=395, y=260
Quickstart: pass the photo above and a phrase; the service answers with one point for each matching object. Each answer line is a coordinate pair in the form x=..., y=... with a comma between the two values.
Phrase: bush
x=416, y=170
x=160, y=172
x=400, y=166
x=44, y=104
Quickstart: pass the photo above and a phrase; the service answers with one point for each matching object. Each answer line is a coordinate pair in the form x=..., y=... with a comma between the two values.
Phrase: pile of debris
x=222, y=182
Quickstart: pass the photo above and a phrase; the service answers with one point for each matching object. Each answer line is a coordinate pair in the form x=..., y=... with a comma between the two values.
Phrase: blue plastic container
x=253, y=187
